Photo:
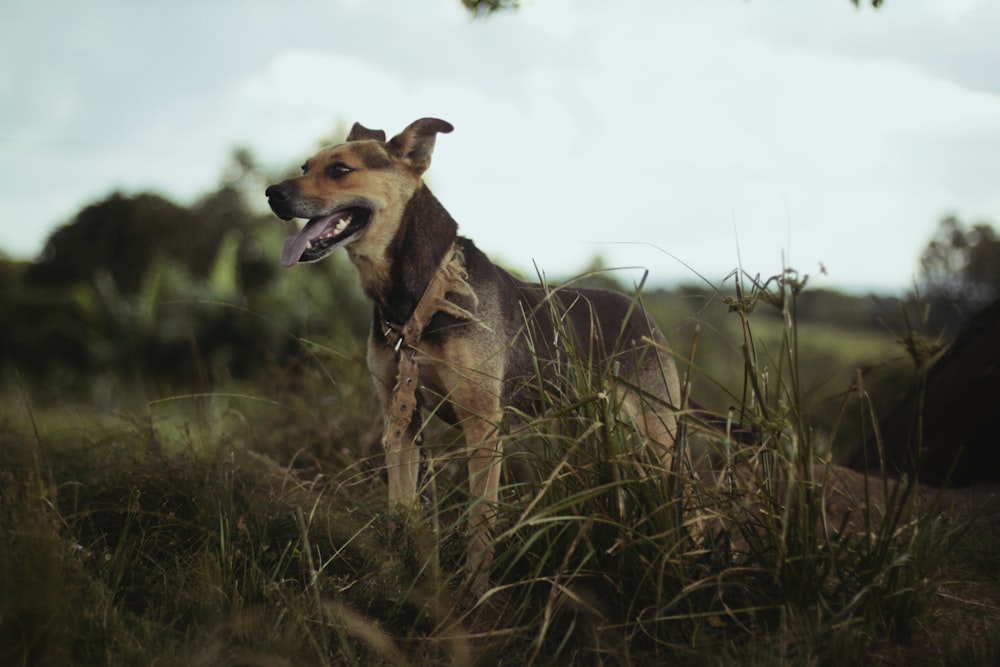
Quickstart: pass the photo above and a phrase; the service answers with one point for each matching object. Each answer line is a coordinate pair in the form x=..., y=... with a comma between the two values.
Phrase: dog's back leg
x=658, y=425
x=485, y=453
x=654, y=409
x=653, y=405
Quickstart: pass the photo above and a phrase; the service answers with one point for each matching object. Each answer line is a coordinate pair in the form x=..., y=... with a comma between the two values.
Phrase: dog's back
x=542, y=328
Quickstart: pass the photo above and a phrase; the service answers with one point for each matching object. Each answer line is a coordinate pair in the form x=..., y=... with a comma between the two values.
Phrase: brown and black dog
x=470, y=351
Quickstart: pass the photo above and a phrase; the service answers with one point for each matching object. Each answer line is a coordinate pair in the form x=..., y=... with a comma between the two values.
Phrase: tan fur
x=474, y=357
x=388, y=192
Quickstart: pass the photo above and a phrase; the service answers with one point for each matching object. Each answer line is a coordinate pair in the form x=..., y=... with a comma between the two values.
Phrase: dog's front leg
x=402, y=460
x=474, y=386
x=402, y=423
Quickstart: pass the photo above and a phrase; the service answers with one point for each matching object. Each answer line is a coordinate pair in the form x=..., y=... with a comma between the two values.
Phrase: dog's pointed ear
x=415, y=144
x=359, y=133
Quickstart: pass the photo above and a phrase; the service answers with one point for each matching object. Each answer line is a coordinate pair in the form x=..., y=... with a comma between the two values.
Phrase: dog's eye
x=338, y=170
x=305, y=168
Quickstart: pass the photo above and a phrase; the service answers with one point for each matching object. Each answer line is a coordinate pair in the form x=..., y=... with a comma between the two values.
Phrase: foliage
x=962, y=265
x=139, y=296
x=83, y=326
x=255, y=532
x=486, y=7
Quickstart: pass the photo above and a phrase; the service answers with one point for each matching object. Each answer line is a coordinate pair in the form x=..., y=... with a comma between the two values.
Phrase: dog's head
x=348, y=190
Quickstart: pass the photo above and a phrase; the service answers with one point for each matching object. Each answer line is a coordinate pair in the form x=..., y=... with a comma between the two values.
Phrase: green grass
x=249, y=527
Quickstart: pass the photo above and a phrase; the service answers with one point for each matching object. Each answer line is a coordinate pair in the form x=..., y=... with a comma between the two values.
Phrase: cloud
x=717, y=131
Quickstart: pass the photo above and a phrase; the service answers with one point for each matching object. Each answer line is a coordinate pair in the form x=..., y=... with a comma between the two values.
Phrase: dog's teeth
x=341, y=226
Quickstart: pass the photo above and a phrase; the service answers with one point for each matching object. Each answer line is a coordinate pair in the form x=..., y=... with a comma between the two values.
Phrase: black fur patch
x=426, y=233
x=372, y=156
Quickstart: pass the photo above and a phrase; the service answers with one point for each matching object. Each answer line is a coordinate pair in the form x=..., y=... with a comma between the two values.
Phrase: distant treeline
x=140, y=288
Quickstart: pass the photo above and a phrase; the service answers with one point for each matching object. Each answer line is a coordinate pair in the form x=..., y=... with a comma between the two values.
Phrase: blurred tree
x=228, y=210
x=597, y=274
x=485, y=7
x=962, y=264
x=119, y=235
x=123, y=235
x=138, y=290
x=244, y=176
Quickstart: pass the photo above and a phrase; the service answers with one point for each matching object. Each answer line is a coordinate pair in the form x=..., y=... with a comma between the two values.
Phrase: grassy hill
x=240, y=519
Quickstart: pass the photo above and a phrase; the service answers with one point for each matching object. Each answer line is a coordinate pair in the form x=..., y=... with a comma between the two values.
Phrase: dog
x=452, y=332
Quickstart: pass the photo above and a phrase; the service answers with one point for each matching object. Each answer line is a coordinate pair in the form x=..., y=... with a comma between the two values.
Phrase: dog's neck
x=426, y=232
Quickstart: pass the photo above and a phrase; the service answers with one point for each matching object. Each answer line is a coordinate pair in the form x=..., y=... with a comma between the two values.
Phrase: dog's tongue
x=294, y=246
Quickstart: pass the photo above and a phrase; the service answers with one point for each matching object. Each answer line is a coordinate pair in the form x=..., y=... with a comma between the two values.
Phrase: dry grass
x=253, y=530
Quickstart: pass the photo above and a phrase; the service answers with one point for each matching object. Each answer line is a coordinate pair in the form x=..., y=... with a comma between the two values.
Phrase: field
x=246, y=524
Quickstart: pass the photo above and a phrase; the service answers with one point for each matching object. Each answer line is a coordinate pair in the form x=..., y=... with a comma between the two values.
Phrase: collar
x=451, y=277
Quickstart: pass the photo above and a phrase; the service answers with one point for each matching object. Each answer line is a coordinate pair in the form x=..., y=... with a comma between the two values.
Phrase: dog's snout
x=276, y=193
x=280, y=197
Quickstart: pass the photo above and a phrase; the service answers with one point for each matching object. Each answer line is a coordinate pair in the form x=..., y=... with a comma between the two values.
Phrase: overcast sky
x=684, y=136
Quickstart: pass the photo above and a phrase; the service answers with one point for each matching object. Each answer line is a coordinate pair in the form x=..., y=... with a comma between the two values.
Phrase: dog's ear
x=415, y=144
x=359, y=133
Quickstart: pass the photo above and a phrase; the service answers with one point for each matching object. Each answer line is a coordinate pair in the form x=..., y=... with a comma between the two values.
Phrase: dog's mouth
x=321, y=236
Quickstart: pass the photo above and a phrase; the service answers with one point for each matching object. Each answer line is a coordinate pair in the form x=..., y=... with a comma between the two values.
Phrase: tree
x=119, y=235
x=484, y=7
x=122, y=235
x=962, y=264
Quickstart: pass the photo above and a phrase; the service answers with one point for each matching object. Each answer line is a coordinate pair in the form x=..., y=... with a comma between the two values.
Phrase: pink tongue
x=294, y=246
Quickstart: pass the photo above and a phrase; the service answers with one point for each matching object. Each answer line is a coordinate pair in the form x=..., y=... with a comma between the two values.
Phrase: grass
x=250, y=528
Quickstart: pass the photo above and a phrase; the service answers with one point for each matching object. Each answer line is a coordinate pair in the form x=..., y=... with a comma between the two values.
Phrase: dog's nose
x=276, y=193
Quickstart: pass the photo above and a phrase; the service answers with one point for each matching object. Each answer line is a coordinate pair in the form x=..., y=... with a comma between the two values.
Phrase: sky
x=686, y=138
